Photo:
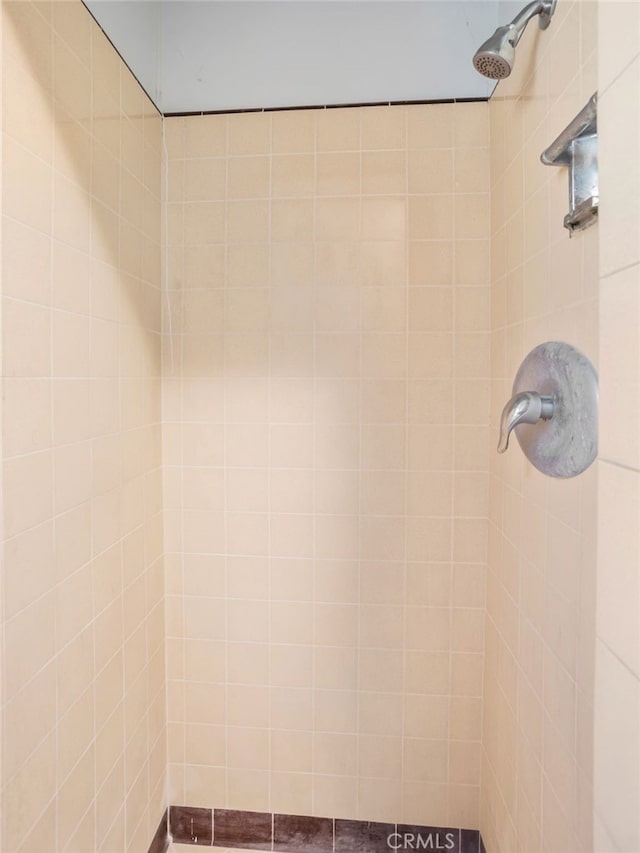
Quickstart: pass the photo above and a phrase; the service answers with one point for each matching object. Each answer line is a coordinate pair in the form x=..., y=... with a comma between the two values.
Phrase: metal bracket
x=577, y=148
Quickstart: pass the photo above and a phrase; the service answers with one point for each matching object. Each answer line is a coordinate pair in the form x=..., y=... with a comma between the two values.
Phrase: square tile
x=191, y=825
x=242, y=829
x=302, y=834
x=353, y=836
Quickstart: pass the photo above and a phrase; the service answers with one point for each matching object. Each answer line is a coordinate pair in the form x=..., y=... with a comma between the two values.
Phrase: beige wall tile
x=616, y=756
x=70, y=330
x=616, y=666
x=338, y=131
x=249, y=787
x=383, y=128
x=26, y=198
x=292, y=175
x=263, y=377
x=538, y=613
x=33, y=785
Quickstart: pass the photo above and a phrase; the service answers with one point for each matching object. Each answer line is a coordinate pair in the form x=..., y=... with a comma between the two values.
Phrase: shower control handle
x=528, y=407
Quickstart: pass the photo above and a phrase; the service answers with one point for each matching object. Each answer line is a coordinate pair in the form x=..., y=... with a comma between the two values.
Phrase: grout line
x=453, y=414
x=621, y=72
x=621, y=465
x=181, y=762
x=164, y=278
x=633, y=673
x=407, y=357
x=358, y=659
x=314, y=473
x=55, y=656
x=269, y=484
x=226, y=471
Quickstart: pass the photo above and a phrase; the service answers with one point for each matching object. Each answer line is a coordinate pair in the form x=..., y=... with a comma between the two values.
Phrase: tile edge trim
x=347, y=106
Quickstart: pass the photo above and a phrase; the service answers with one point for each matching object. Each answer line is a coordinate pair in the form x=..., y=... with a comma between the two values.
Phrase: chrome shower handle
x=528, y=407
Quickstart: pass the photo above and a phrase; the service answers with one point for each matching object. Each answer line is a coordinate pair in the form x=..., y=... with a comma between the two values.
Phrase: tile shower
x=327, y=326
x=257, y=552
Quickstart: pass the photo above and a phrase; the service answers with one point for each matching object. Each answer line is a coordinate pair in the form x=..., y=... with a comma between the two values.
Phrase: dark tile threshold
x=248, y=830
x=190, y=825
x=470, y=841
x=359, y=836
x=160, y=842
x=304, y=834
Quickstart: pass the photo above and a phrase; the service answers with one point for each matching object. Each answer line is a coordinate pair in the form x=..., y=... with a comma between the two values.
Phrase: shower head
x=495, y=58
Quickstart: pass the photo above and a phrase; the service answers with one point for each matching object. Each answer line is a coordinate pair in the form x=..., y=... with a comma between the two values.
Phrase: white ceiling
x=205, y=55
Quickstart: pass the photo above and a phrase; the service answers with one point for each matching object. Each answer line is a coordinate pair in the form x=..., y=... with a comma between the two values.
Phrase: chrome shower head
x=495, y=58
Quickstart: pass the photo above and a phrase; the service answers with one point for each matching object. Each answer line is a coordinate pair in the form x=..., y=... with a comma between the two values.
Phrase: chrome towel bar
x=577, y=148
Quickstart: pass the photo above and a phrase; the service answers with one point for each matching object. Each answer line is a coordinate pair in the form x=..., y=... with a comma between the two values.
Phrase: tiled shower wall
x=538, y=702
x=326, y=391
x=617, y=702
x=83, y=714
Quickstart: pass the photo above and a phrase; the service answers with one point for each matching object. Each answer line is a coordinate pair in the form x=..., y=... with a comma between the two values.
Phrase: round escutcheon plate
x=566, y=444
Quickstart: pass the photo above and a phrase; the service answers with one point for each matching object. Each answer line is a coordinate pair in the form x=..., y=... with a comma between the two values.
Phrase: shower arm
x=543, y=8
